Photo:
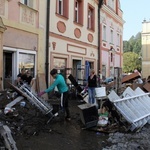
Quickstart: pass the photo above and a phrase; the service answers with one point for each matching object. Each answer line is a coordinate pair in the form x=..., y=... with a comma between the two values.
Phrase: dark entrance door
x=7, y=69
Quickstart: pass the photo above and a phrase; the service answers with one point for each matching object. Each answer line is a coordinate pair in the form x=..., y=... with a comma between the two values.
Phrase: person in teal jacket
x=62, y=88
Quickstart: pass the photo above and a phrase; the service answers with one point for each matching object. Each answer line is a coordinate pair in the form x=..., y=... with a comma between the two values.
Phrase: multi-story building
x=63, y=34
x=22, y=34
x=111, y=40
x=145, y=48
x=73, y=36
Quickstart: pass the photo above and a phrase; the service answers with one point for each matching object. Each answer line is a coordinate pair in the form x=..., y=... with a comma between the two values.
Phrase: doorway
x=75, y=64
x=8, y=72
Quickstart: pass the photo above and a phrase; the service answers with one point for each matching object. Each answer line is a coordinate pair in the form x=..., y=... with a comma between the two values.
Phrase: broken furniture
x=117, y=79
x=131, y=77
x=134, y=107
x=41, y=104
x=83, y=94
x=89, y=115
x=147, y=86
x=100, y=95
x=9, y=142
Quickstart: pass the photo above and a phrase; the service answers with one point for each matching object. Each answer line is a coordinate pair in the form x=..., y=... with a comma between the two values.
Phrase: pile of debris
x=126, y=106
x=22, y=113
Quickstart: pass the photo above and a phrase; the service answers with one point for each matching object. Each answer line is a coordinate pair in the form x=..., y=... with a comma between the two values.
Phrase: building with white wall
x=111, y=37
x=22, y=38
x=145, y=48
x=73, y=35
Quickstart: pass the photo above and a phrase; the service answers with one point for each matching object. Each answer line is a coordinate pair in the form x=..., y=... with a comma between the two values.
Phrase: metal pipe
x=47, y=42
x=99, y=42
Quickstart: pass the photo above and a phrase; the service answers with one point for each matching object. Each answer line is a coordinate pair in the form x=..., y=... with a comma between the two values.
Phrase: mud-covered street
x=32, y=131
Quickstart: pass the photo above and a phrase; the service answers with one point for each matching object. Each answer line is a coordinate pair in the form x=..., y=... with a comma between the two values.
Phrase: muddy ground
x=63, y=135
x=32, y=130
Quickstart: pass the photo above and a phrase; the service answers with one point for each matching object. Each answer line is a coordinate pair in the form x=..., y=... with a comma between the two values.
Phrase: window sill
x=78, y=24
x=23, y=5
x=61, y=16
x=91, y=30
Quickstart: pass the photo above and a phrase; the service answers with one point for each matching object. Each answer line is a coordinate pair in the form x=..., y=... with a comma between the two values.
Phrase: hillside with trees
x=132, y=54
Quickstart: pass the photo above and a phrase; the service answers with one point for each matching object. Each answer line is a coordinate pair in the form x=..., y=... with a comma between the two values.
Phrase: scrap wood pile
x=23, y=117
x=132, y=81
x=113, y=115
x=26, y=113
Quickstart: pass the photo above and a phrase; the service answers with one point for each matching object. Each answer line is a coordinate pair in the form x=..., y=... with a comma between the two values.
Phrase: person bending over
x=62, y=88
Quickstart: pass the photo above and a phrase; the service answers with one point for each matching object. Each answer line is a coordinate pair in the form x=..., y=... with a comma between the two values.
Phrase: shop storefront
x=14, y=61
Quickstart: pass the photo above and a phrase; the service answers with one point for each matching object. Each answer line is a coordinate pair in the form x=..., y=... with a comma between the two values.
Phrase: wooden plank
x=131, y=77
x=135, y=85
x=19, y=91
x=147, y=86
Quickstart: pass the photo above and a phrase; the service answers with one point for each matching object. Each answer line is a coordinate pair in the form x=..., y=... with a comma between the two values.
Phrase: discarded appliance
x=134, y=107
x=9, y=142
x=41, y=104
x=100, y=95
x=88, y=114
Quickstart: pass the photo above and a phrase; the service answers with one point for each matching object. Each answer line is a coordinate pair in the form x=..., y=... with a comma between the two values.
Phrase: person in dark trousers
x=29, y=77
x=21, y=77
x=62, y=88
x=92, y=84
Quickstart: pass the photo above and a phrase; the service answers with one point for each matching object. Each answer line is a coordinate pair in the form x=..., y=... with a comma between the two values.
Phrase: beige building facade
x=145, y=48
x=73, y=36
x=72, y=44
x=73, y=41
x=22, y=37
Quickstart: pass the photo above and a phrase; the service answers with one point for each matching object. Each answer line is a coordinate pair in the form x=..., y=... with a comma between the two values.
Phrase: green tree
x=133, y=45
x=126, y=46
x=131, y=61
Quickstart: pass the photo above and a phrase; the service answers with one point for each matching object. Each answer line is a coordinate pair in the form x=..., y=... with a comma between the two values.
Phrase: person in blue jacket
x=62, y=88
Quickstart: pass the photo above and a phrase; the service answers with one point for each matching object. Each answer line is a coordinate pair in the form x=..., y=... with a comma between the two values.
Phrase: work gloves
x=41, y=93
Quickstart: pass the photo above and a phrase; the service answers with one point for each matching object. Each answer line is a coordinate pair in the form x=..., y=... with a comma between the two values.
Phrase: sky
x=134, y=12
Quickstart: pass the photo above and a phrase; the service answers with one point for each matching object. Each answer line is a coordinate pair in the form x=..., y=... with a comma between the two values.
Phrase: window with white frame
x=111, y=36
x=91, y=18
x=27, y=2
x=27, y=62
x=104, y=33
x=118, y=39
x=76, y=11
x=60, y=7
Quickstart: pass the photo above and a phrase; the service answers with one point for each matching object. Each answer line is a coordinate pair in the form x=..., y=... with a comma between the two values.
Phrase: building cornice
x=109, y=11
x=2, y=26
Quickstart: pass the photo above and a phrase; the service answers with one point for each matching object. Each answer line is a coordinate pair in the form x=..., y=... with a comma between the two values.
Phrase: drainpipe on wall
x=99, y=42
x=47, y=43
